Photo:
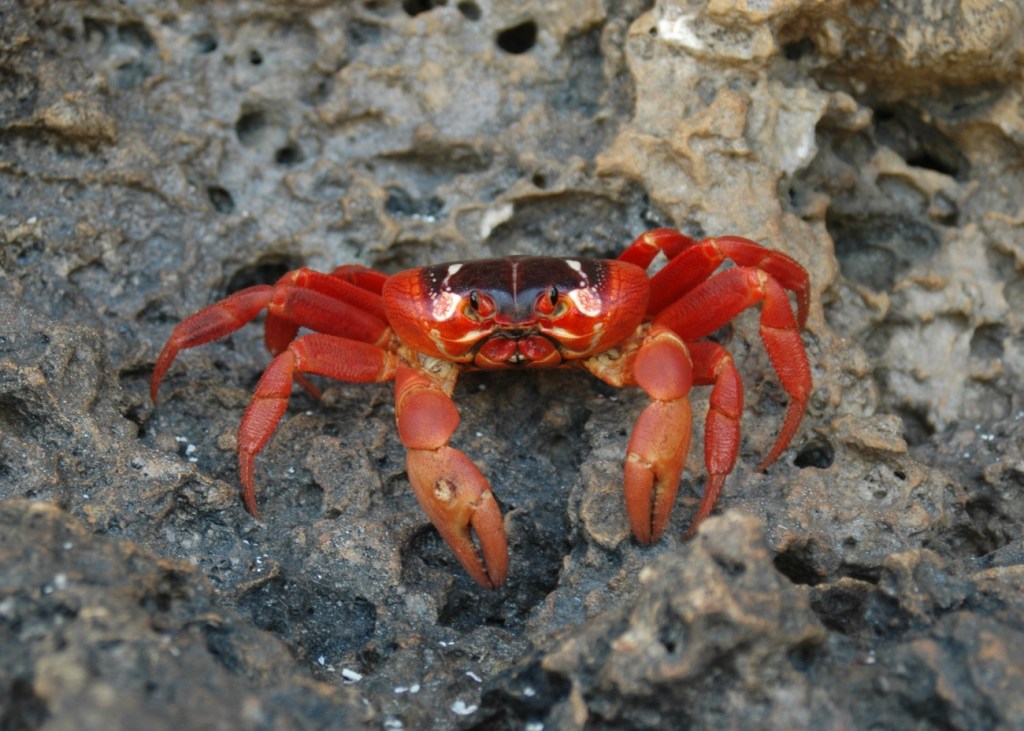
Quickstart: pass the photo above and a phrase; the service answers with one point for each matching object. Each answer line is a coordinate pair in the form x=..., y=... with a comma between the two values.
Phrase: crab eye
x=480, y=305
x=549, y=302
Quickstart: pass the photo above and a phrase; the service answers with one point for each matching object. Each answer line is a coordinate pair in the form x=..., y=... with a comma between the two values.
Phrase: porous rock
x=155, y=157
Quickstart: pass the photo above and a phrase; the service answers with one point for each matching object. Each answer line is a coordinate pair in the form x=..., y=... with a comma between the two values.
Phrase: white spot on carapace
x=578, y=268
x=444, y=306
x=587, y=301
x=453, y=269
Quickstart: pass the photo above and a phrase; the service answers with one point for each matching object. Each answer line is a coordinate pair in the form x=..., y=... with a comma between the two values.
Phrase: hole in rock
x=519, y=38
x=819, y=454
x=469, y=10
x=220, y=199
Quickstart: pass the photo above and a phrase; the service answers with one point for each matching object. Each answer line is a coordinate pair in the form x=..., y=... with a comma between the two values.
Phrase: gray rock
x=154, y=158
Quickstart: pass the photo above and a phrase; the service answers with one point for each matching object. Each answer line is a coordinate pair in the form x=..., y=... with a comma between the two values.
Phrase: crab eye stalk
x=480, y=305
x=549, y=302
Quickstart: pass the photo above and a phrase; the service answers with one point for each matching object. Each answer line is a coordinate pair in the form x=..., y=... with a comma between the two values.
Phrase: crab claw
x=450, y=488
x=457, y=497
x=661, y=438
x=654, y=463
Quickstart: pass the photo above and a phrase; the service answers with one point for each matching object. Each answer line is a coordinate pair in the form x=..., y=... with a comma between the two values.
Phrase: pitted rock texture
x=155, y=157
x=98, y=634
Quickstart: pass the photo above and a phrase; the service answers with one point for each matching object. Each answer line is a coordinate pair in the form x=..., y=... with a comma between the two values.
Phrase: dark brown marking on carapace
x=515, y=283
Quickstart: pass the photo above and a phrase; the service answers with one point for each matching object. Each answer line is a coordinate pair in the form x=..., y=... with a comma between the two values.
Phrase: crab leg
x=324, y=355
x=207, y=325
x=326, y=304
x=362, y=277
x=649, y=244
x=712, y=365
x=302, y=298
x=714, y=303
x=692, y=262
x=696, y=263
x=452, y=491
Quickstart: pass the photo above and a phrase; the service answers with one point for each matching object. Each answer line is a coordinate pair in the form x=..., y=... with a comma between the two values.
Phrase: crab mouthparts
x=517, y=348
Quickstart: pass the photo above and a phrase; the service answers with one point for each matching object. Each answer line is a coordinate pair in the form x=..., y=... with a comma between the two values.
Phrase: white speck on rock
x=461, y=708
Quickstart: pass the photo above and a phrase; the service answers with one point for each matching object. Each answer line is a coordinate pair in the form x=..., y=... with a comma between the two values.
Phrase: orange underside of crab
x=422, y=327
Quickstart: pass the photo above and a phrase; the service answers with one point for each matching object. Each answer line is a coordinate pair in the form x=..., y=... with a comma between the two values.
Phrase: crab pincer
x=661, y=438
x=452, y=491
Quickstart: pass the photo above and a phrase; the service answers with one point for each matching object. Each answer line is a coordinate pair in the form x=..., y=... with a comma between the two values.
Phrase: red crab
x=422, y=327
